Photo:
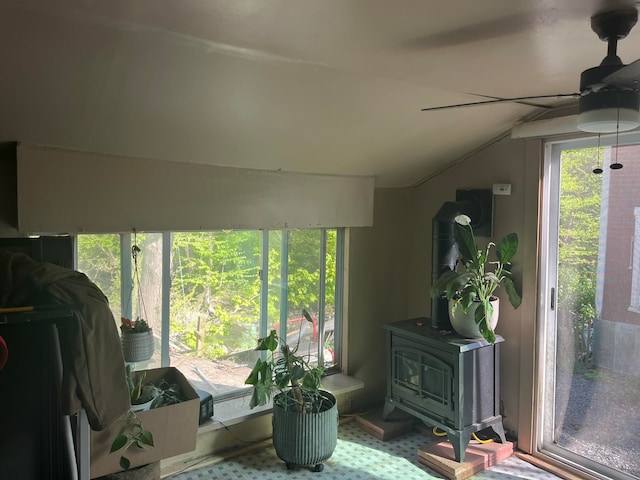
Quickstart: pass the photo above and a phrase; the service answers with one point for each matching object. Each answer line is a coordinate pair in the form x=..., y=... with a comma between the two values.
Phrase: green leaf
x=514, y=297
x=252, y=379
x=125, y=463
x=466, y=242
x=440, y=285
x=297, y=372
x=507, y=248
x=146, y=438
x=119, y=442
x=481, y=320
x=268, y=343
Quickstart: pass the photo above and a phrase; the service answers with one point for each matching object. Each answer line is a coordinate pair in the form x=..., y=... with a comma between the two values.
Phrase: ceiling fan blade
x=627, y=76
x=501, y=100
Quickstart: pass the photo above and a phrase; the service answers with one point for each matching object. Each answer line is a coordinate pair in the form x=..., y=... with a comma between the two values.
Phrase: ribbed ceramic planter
x=305, y=439
x=137, y=347
x=464, y=323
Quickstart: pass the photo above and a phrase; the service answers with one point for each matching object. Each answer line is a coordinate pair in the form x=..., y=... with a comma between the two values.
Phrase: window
x=209, y=295
x=589, y=360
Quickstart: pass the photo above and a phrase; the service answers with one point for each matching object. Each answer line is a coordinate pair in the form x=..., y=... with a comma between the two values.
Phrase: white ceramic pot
x=140, y=407
x=464, y=323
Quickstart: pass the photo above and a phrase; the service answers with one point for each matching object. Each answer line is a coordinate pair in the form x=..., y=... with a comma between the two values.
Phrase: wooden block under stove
x=398, y=423
x=439, y=456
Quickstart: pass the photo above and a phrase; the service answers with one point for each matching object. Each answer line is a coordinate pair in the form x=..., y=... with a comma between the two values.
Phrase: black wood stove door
x=423, y=380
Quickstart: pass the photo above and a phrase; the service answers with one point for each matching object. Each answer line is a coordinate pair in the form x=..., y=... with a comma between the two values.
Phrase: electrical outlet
x=502, y=189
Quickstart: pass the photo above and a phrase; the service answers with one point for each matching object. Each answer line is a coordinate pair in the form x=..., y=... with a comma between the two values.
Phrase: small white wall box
x=502, y=189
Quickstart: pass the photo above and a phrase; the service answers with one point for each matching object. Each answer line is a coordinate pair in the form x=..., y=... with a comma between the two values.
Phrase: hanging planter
x=137, y=340
x=137, y=336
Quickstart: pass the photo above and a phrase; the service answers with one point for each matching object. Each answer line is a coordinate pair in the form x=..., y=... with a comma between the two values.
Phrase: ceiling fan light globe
x=606, y=120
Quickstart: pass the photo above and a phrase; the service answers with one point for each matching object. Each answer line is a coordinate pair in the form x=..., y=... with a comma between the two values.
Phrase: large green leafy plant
x=284, y=371
x=481, y=277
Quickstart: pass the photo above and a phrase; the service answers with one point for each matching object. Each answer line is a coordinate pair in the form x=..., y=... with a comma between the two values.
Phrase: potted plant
x=305, y=417
x=141, y=395
x=137, y=340
x=471, y=292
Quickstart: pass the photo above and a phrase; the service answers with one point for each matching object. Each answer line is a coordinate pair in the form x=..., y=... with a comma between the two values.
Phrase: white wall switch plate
x=502, y=189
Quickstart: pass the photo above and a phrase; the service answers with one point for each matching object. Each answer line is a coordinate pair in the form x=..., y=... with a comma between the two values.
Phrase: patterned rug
x=358, y=456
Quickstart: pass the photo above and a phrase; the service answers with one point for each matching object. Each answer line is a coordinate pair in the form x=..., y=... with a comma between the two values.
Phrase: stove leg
x=388, y=408
x=459, y=440
x=499, y=429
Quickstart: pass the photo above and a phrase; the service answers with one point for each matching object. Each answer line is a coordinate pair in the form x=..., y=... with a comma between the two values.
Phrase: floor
x=358, y=456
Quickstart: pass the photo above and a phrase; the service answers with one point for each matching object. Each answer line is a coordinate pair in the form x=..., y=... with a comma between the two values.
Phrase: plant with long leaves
x=477, y=283
x=284, y=371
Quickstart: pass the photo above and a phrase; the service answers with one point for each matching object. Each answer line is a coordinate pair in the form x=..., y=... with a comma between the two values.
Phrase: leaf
x=252, y=379
x=297, y=372
x=125, y=463
x=119, y=442
x=507, y=248
x=466, y=242
x=440, y=285
x=514, y=297
x=146, y=438
x=268, y=343
x=481, y=320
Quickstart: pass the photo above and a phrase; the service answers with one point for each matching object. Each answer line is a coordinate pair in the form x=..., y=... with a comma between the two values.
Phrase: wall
x=377, y=291
x=95, y=193
x=510, y=161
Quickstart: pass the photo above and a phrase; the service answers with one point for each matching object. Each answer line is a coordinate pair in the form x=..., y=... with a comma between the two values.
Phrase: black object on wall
x=56, y=250
x=477, y=204
x=34, y=444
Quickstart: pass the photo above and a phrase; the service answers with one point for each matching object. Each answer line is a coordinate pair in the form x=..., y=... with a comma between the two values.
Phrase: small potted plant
x=137, y=340
x=141, y=395
x=473, y=308
x=305, y=417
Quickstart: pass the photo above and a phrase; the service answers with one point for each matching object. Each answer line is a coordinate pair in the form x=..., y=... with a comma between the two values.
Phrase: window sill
x=236, y=410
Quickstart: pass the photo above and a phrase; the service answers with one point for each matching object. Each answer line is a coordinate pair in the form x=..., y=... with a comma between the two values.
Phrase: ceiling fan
x=609, y=96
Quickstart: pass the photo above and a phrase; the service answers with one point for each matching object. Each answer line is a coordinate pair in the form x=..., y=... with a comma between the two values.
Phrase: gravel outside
x=598, y=417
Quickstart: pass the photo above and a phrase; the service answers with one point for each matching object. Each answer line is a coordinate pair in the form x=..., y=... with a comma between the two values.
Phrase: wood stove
x=443, y=379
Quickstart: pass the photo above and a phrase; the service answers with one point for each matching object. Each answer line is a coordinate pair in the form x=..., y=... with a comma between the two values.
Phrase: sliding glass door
x=589, y=348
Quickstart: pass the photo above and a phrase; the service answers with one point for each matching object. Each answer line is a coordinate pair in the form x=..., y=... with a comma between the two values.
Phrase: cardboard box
x=174, y=429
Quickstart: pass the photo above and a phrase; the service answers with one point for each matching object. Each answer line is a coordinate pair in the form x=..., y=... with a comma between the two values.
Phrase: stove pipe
x=444, y=252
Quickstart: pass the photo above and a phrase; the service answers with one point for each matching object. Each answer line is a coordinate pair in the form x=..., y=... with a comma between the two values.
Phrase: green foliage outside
x=579, y=224
x=215, y=286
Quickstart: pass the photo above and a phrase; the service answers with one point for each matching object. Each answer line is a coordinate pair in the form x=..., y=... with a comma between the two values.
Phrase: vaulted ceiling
x=320, y=86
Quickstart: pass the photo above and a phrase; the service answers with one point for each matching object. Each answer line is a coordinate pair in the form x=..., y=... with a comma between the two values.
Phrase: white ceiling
x=320, y=86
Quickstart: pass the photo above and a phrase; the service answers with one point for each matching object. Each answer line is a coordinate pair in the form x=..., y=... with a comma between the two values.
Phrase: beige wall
x=377, y=291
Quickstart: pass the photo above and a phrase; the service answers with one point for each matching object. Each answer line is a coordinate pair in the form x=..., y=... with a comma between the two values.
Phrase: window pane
x=99, y=260
x=145, y=299
x=277, y=289
x=304, y=290
x=215, y=307
x=330, y=300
